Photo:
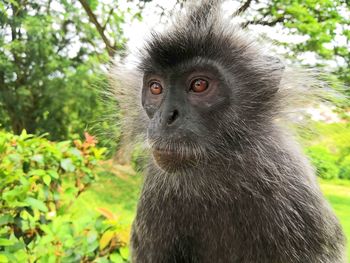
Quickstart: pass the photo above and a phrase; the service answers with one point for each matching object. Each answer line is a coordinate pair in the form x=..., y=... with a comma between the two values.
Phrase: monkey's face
x=183, y=104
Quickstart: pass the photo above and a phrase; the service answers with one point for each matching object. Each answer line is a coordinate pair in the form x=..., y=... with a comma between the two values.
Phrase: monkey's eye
x=199, y=85
x=156, y=88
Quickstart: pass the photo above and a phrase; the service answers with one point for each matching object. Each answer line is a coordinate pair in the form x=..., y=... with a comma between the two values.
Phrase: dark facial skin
x=179, y=102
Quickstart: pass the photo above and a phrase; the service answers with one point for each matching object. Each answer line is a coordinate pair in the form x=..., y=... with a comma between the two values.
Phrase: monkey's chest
x=189, y=232
x=238, y=231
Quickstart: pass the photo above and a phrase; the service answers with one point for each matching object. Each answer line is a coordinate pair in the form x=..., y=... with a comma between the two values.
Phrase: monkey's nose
x=173, y=116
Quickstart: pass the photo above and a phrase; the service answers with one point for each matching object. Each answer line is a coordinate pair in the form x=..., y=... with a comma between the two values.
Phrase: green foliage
x=329, y=150
x=324, y=161
x=321, y=21
x=323, y=26
x=345, y=168
x=316, y=19
x=50, y=57
x=39, y=182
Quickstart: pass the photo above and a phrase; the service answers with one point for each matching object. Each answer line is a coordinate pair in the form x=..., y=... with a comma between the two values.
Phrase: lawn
x=118, y=192
x=338, y=193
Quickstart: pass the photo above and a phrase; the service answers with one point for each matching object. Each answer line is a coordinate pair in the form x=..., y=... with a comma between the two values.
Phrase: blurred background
x=66, y=195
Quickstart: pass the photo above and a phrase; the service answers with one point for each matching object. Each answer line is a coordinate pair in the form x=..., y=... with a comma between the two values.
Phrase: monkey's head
x=206, y=86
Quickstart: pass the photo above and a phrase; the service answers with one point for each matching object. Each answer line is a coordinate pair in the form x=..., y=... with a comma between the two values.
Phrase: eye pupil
x=156, y=88
x=199, y=85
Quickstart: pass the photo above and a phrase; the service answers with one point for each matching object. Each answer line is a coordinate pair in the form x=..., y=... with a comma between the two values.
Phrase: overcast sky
x=136, y=31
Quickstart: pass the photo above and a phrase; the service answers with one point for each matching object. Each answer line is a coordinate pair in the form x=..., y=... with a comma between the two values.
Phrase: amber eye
x=155, y=88
x=199, y=85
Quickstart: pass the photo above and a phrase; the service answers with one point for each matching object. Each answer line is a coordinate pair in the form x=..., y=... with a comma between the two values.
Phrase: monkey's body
x=265, y=210
x=225, y=183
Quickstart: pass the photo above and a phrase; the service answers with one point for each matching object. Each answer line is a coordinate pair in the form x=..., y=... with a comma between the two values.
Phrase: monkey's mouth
x=174, y=157
x=171, y=154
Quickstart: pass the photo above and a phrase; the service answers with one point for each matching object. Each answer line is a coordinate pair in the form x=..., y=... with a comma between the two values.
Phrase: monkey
x=226, y=181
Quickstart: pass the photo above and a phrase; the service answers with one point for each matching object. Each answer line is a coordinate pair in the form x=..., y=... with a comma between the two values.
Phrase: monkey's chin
x=173, y=162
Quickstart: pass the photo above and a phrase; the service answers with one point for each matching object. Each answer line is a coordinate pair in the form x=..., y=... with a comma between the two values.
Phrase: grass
x=118, y=192
x=338, y=194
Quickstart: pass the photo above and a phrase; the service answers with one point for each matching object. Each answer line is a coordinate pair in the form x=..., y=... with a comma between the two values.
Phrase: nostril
x=173, y=116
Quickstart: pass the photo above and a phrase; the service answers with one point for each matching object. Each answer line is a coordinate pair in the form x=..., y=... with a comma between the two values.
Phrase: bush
x=324, y=161
x=39, y=182
x=345, y=168
x=328, y=147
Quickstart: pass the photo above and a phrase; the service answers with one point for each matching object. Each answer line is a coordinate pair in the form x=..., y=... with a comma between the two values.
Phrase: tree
x=50, y=55
x=324, y=28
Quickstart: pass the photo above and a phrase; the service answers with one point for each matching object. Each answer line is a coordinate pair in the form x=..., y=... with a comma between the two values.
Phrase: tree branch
x=48, y=7
x=100, y=29
x=108, y=18
x=243, y=8
x=264, y=23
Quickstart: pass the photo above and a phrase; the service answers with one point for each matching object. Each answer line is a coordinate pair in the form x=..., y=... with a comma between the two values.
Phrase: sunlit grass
x=116, y=190
x=338, y=193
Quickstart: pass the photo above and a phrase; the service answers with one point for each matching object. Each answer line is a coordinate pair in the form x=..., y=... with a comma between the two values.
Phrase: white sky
x=136, y=31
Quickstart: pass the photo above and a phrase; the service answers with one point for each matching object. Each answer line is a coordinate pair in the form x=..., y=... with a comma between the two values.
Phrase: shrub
x=39, y=182
x=345, y=168
x=328, y=147
x=324, y=161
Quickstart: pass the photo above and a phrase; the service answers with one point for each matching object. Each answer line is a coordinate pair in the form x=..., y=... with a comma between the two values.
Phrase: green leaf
x=92, y=236
x=37, y=172
x=67, y=165
x=3, y=259
x=116, y=258
x=14, y=2
x=5, y=219
x=15, y=158
x=39, y=158
x=53, y=174
x=35, y=203
x=124, y=252
x=93, y=4
x=47, y=179
x=6, y=242
x=2, y=8
x=24, y=135
x=76, y=152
